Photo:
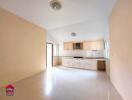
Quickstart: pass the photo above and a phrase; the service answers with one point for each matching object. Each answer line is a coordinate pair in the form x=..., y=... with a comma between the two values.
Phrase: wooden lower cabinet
x=101, y=65
x=90, y=64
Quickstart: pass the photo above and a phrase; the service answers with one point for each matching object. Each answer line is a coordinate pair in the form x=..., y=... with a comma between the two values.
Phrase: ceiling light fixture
x=55, y=4
x=73, y=34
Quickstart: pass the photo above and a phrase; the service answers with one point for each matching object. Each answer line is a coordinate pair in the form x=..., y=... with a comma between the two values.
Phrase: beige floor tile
x=64, y=84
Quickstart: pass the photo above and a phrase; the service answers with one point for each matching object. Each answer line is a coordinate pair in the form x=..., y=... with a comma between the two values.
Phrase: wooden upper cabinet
x=101, y=45
x=87, y=45
x=93, y=45
x=97, y=45
x=68, y=46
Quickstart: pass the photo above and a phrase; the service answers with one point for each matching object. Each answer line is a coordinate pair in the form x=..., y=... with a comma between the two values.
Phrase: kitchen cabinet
x=68, y=46
x=85, y=45
x=90, y=64
x=101, y=65
x=97, y=45
x=67, y=62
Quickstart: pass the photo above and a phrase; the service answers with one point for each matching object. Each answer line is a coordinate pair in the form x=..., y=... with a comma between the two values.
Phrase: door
x=49, y=55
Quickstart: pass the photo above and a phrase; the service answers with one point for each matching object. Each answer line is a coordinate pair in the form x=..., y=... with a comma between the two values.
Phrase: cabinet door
x=101, y=65
x=64, y=62
x=100, y=45
x=68, y=46
x=90, y=64
x=77, y=63
x=67, y=62
x=87, y=45
x=97, y=45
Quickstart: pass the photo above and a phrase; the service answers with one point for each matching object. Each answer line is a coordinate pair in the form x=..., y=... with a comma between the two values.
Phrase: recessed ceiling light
x=55, y=4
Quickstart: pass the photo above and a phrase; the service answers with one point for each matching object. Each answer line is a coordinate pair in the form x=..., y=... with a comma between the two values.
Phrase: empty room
x=65, y=50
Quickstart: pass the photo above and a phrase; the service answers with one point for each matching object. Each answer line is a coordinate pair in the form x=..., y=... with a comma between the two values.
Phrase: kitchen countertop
x=99, y=58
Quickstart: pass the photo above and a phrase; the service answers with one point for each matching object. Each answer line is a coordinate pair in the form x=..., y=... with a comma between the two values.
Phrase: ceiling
x=88, y=30
x=72, y=12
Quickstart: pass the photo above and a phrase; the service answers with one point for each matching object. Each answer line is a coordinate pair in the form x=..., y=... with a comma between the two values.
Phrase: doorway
x=49, y=55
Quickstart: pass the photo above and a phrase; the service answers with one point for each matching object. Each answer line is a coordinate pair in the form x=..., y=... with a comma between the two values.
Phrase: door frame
x=46, y=53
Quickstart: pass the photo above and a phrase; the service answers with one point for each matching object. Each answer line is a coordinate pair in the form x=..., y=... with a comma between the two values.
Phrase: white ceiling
x=88, y=30
x=73, y=11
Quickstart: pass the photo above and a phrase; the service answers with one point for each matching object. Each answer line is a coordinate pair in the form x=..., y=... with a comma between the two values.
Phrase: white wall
x=88, y=30
x=50, y=39
x=22, y=48
x=107, y=50
x=121, y=48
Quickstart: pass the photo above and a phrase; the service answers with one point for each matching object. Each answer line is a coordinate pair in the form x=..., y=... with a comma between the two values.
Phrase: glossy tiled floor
x=64, y=84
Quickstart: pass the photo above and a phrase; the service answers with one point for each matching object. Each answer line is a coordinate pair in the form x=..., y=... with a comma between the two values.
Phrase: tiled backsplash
x=82, y=53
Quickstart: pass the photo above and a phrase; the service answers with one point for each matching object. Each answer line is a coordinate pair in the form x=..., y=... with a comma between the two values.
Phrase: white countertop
x=85, y=57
